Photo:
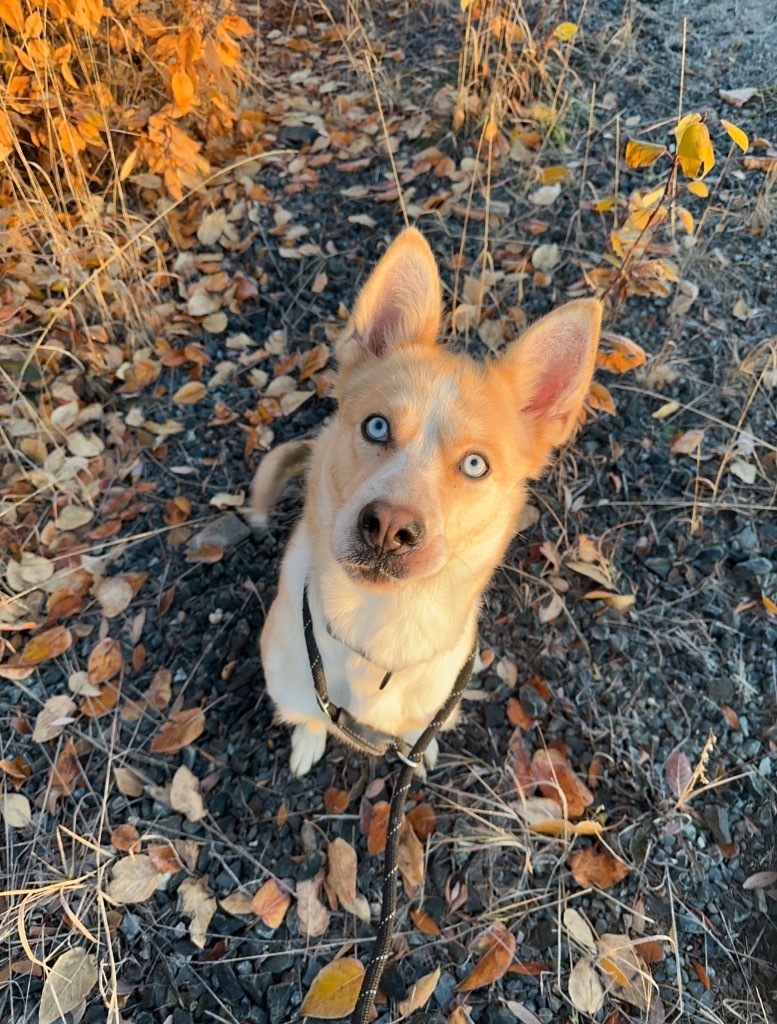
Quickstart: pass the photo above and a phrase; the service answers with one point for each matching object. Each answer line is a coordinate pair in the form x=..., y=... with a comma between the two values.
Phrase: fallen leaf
x=557, y=781
x=335, y=800
x=579, y=929
x=67, y=984
x=599, y=397
x=742, y=311
x=335, y=990
x=126, y=839
x=625, y=354
x=185, y=795
x=737, y=97
x=197, y=902
x=133, y=879
x=164, y=858
x=101, y=704
x=619, y=959
x=57, y=712
x=424, y=922
x=424, y=821
x=114, y=594
x=552, y=608
x=565, y=31
x=686, y=443
x=237, y=903
x=585, y=988
x=376, y=834
x=537, y=810
x=667, y=409
x=498, y=947
x=760, y=880
x=212, y=227
x=16, y=810
x=313, y=916
x=190, y=393
x=642, y=154
x=341, y=878
x=597, y=867
x=48, y=644
x=651, y=950
x=618, y=602
x=182, y=728
x=105, y=661
x=678, y=772
x=17, y=770
x=522, y=1012
x=546, y=257
x=410, y=859
x=545, y=195
x=420, y=992
x=744, y=471
x=687, y=291
x=270, y=903
x=127, y=782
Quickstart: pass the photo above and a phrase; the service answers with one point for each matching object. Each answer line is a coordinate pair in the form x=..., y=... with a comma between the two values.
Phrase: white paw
x=307, y=747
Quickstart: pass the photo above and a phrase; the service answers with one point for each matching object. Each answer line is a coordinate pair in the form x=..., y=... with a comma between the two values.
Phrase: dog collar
x=371, y=741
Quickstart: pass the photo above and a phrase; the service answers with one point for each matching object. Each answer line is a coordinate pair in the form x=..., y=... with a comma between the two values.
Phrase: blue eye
x=376, y=429
x=473, y=466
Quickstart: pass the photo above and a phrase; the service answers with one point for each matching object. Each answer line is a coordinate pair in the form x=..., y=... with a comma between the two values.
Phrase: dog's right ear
x=399, y=305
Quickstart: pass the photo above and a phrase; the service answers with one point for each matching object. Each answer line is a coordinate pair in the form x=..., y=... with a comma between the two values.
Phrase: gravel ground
x=694, y=656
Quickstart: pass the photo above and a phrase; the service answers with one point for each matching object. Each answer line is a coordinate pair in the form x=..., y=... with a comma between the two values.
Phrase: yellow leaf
x=650, y=198
x=603, y=205
x=620, y=602
x=465, y=4
x=551, y=175
x=183, y=92
x=768, y=604
x=335, y=990
x=736, y=135
x=694, y=151
x=667, y=409
x=686, y=219
x=11, y=13
x=698, y=188
x=561, y=827
x=565, y=31
x=684, y=123
x=642, y=154
x=129, y=164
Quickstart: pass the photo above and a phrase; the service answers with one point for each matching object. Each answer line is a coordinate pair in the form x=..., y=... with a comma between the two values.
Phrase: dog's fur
x=398, y=543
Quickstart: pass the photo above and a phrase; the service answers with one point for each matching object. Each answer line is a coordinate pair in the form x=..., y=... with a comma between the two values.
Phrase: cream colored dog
x=414, y=489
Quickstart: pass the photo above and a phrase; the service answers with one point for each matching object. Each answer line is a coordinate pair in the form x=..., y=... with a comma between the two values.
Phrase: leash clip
x=325, y=704
x=408, y=760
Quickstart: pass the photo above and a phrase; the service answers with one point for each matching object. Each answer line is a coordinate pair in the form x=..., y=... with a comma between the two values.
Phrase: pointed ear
x=551, y=367
x=399, y=304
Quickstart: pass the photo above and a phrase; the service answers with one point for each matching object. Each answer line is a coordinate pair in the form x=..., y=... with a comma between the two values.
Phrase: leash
x=375, y=742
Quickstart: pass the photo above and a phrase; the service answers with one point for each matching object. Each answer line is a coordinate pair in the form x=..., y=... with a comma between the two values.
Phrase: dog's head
x=422, y=469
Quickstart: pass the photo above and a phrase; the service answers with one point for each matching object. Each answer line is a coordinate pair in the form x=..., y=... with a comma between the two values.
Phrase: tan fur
x=415, y=614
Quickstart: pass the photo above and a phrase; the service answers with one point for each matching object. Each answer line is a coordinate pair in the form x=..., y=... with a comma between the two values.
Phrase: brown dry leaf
x=165, y=858
x=420, y=993
x=237, y=903
x=498, y=947
x=313, y=361
x=126, y=839
x=585, y=988
x=520, y=759
x=196, y=901
x=686, y=443
x=618, y=602
x=114, y=594
x=760, y=880
x=596, y=867
x=731, y=716
x=737, y=97
x=600, y=398
x=336, y=800
x=17, y=770
x=424, y=922
x=105, y=661
x=553, y=773
x=651, y=950
x=376, y=834
x=335, y=990
x=105, y=701
x=57, y=712
x=410, y=859
x=127, y=782
x=190, y=393
x=133, y=879
x=312, y=914
x=270, y=903
x=424, y=821
x=561, y=827
x=68, y=983
x=182, y=728
x=625, y=355
x=517, y=716
x=619, y=959
x=46, y=645
x=341, y=878
x=579, y=929
x=678, y=772
x=185, y=795
x=66, y=772
x=551, y=609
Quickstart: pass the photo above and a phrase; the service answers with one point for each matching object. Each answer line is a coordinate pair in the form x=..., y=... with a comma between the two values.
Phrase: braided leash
x=381, y=950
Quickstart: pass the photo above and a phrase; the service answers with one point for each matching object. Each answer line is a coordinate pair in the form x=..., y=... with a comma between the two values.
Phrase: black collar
x=370, y=740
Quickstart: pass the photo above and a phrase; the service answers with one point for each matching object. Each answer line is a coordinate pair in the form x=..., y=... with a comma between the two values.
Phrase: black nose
x=389, y=529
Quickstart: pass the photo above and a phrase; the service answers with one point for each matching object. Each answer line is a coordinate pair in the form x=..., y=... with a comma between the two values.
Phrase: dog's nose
x=389, y=529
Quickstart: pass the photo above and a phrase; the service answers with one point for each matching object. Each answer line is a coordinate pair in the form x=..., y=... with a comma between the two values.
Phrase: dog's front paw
x=431, y=755
x=307, y=747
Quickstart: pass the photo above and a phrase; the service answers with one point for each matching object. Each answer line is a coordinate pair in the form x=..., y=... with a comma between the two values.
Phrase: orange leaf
x=642, y=154
x=270, y=903
x=11, y=13
x=600, y=398
x=651, y=950
x=103, y=703
x=592, y=866
x=105, y=661
x=686, y=443
x=164, y=858
x=335, y=800
x=424, y=821
x=66, y=771
x=424, y=922
x=48, y=644
x=190, y=393
x=521, y=763
x=551, y=770
x=498, y=947
x=183, y=728
x=769, y=605
x=183, y=92
x=626, y=354
x=517, y=716
x=376, y=833
x=126, y=838
x=701, y=973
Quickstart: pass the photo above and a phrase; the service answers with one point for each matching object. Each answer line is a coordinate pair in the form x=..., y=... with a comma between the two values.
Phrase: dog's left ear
x=550, y=367
x=400, y=303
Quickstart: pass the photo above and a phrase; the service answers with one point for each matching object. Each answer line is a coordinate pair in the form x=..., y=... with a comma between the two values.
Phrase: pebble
x=277, y=1000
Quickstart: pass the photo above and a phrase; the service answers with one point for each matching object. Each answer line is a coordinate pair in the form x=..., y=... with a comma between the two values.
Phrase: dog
x=413, y=492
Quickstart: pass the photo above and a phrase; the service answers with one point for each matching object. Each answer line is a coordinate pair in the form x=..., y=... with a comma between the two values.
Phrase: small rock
x=752, y=568
x=532, y=702
x=277, y=1000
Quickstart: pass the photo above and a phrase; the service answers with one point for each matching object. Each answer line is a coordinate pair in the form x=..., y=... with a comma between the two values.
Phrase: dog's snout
x=389, y=529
